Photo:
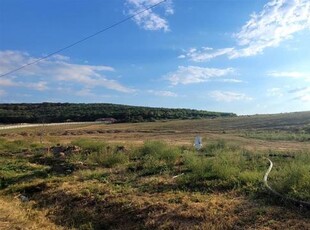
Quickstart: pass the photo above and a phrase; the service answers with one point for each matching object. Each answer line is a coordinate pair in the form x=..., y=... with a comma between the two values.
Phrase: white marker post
x=198, y=143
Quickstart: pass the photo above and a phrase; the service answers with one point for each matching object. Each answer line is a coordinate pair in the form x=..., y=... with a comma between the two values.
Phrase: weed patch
x=156, y=157
x=291, y=177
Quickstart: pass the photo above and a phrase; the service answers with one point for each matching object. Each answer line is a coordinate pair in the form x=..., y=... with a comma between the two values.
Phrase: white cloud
x=195, y=74
x=59, y=57
x=10, y=60
x=149, y=20
x=301, y=94
x=56, y=69
x=182, y=56
x=274, y=92
x=162, y=93
x=290, y=74
x=278, y=21
x=231, y=80
x=88, y=75
x=40, y=86
x=228, y=96
x=205, y=53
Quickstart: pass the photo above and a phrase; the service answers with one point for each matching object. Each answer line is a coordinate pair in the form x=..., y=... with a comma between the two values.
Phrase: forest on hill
x=62, y=112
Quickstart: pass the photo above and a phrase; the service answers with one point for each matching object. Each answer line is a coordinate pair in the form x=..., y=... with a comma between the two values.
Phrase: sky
x=241, y=56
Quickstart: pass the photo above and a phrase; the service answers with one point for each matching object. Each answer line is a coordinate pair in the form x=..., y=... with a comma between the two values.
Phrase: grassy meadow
x=149, y=176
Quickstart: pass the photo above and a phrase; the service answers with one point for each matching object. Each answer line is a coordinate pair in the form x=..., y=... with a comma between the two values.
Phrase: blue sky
x=237, y=56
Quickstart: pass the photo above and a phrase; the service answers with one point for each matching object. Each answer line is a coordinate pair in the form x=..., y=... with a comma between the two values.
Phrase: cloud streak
x=162, y=93
x=274, y=92
x=205, y=53
x=195, y=74
x=301, y=94
x=290, y=74
x=227, y=96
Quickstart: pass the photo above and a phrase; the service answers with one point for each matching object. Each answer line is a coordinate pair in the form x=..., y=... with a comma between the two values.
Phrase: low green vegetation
x=17, y=146
x=99, y=153
x=217, y=166
x=98, y=177
x=224, y=167
x=301, y=135
x=291, y=176
x=155, y=157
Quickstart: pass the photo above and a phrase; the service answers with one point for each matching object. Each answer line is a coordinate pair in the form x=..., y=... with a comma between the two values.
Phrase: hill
x=61, y=112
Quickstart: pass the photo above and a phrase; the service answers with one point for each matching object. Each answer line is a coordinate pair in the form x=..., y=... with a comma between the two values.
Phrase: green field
x=149, y=176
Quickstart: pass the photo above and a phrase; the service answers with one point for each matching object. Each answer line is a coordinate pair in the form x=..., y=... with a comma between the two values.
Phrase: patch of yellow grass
x=17, y=215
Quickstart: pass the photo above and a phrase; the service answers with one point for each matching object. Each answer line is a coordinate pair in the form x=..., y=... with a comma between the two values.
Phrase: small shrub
x=107, y=158
x=292, y=178
x=214, y=147
x=152, y=165
x=152, y=148
x=199, y=166
x=95, y=152
x=111, y=160
x=78, y=157
x=250, y=177
x=90, y=145
x=157, y=157
x=229, y=167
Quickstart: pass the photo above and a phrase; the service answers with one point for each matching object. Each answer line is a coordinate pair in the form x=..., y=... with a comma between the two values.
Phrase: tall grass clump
x=157, y=157
x=292, y=177
x=225, y=165
x=199, y=167
x=212, y=148
x=99, y=153
x=107, y=158
x=14, y=146
x=90, y=145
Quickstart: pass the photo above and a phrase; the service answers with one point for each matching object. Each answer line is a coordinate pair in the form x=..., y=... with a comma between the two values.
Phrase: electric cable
x=83, y=39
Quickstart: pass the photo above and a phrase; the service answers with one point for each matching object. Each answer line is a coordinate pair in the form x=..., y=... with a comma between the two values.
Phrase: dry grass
x=177, y=132
x=93, y=205
x=17, y=215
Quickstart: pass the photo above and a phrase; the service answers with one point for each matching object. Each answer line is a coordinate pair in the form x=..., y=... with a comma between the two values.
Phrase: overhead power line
x=83, y=39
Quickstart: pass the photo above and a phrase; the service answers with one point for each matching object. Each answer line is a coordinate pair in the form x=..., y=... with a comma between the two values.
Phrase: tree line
x=64, y=112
